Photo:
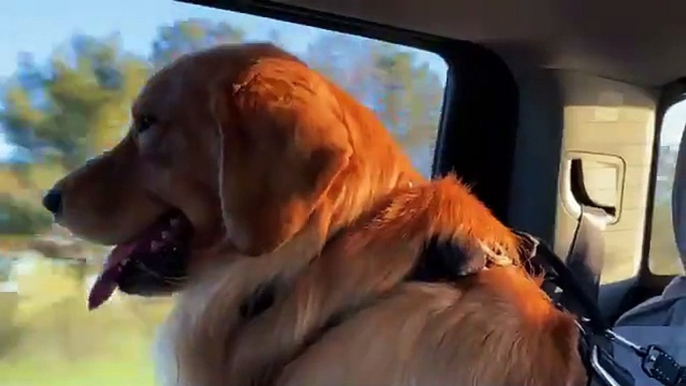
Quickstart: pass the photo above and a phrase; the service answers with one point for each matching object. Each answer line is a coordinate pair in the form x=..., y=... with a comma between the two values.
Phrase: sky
x=38, y=26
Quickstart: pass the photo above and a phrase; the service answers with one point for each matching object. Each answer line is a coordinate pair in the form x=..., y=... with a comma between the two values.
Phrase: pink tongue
x=107, y=281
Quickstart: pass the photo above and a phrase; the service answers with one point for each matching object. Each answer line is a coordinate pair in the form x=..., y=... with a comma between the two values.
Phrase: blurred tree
x=190, y=35
x=409, y=95
x=347, y=60
x=18, y=218
x=75, y=106
x=57, y=115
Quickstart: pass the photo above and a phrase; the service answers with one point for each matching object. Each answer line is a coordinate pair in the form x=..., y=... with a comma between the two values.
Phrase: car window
x=663, y=255
x=68, y=72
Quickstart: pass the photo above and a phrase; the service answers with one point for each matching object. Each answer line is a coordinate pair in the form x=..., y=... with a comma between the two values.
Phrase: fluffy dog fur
x=289, y=182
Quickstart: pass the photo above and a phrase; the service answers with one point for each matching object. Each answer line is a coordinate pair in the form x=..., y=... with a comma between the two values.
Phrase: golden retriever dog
x=289, y=223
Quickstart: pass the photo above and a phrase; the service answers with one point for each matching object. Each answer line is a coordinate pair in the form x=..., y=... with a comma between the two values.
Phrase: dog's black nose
x=52, y=201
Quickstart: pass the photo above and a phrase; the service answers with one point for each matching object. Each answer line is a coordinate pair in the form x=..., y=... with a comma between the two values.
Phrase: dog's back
x=493, y=329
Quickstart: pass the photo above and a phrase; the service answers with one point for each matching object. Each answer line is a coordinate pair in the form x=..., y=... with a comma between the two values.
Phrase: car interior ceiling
x=504, y=59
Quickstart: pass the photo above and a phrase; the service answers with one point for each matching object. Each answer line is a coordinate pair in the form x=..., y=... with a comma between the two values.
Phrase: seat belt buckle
x=655, y=361
x=662, y=367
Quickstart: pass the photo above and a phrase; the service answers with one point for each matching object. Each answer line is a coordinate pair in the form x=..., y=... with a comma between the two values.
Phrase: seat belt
x=585, y=261
x=586, y=256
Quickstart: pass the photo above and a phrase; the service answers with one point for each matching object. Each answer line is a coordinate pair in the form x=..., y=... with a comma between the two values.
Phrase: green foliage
x=191, y=35
x=17, y=218
x=73, y=107
x=411, y=96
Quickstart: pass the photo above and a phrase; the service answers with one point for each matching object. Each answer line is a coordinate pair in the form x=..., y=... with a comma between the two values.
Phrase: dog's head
x=236, y=145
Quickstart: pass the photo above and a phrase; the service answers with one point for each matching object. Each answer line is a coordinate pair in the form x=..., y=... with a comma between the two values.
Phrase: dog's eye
x=144, y=123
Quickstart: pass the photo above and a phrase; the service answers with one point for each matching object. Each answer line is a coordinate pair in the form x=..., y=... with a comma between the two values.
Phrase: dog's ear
x=283, y=142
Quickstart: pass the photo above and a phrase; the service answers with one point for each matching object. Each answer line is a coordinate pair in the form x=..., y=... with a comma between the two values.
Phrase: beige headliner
x=639, y=41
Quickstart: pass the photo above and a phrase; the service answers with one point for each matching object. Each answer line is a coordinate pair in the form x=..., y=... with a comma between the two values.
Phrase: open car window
x=68, y=71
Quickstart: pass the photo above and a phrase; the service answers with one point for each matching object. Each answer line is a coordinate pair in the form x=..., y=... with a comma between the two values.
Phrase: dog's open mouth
x=154, y=263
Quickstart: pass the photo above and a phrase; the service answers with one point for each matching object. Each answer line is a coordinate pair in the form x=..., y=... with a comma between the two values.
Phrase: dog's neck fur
x=348, y=204
x=184, y=356
x=184, y=347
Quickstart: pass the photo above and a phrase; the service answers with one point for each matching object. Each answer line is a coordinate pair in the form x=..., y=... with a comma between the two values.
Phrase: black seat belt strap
x=586, y=255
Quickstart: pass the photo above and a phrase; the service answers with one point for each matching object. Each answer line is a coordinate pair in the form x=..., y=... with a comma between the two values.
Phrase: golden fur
x=288, y=180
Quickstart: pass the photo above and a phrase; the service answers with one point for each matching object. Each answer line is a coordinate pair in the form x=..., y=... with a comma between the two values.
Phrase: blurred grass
x=49, y=338
x=127, y=370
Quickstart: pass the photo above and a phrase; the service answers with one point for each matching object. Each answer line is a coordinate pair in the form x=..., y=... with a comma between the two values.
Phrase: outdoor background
x=68, y=72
